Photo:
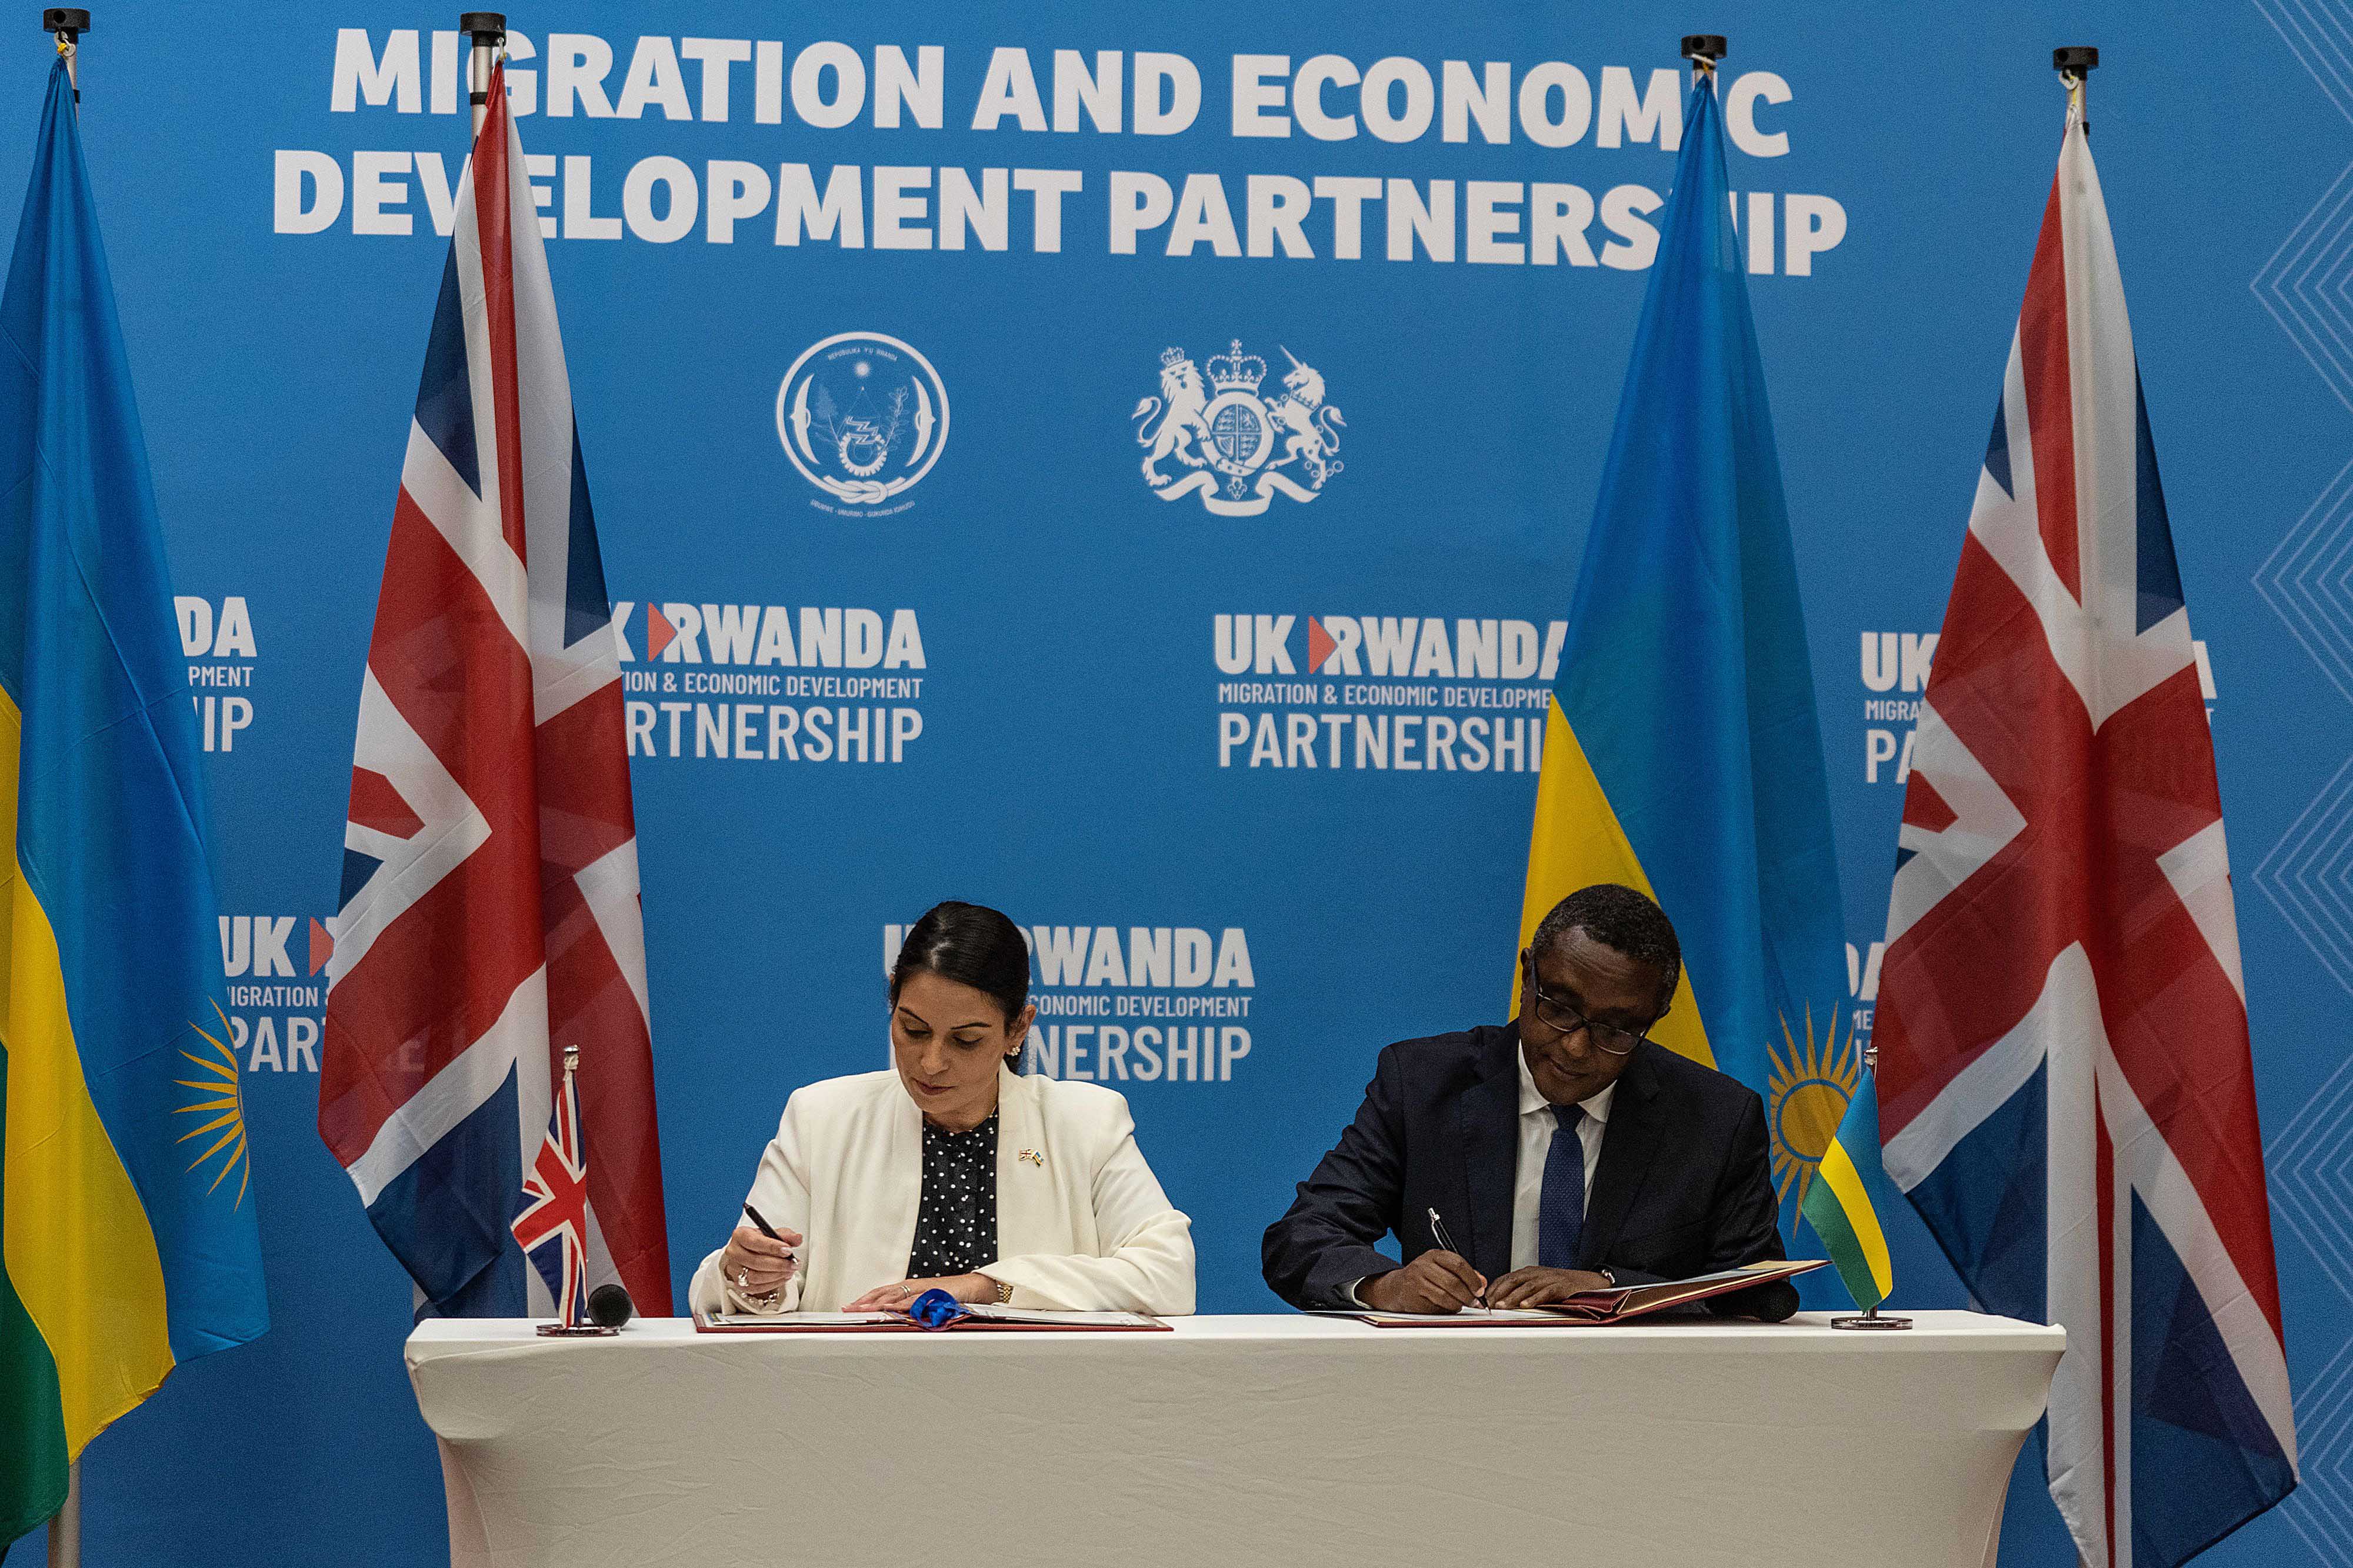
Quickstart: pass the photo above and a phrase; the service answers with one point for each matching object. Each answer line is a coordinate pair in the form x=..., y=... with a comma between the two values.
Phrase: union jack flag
x=558, y=1189
x=489, y=899
x=2064, y=1069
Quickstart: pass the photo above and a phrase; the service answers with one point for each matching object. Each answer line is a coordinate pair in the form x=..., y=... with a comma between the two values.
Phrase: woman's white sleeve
x=780, y=1191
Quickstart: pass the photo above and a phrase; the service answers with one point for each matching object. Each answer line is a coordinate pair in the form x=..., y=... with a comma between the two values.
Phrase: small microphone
x=609, y=1307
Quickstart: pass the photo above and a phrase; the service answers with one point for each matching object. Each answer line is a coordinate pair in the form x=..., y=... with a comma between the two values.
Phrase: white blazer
x=1081, y=1224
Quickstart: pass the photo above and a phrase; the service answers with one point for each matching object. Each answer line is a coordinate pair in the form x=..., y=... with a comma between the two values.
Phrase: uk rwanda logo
x=1806, y=1096
x=863, y=417
x=1244, y=448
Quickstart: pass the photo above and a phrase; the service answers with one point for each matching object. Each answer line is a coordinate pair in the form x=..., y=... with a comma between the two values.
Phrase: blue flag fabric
x=1682, y=755
x=126, y=1214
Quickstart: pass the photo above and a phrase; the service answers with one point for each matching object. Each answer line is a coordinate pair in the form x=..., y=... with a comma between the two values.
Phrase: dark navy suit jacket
x=1682, y=1187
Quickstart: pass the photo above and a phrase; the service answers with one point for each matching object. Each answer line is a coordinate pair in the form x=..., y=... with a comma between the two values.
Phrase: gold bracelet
x=1004, y=1291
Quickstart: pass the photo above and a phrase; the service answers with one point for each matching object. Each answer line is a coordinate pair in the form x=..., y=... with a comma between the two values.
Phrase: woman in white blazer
x=952, y=1171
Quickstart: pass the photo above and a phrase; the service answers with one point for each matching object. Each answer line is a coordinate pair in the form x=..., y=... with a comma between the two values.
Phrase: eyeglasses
x=1563, y=1019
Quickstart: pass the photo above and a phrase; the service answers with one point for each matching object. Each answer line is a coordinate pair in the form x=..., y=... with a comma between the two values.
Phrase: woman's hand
x=900, y=1297
x=757, y=1266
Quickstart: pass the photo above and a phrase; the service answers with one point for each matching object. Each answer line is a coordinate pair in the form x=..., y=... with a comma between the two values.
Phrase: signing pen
x=769, y=1231
x=1438, y=1233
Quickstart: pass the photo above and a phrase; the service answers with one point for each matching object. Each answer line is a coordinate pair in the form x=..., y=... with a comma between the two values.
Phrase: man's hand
x=1433, y=1282
x=1543, y=1287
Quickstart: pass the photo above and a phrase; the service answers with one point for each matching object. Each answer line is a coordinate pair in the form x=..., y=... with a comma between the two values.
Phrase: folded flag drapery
x=1682, y=754
x=2069, y=1099
x=490, y=912
x=126, y=1207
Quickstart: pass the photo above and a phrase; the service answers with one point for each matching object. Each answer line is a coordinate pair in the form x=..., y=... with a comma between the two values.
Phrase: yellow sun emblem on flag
x=222, y=1090
x=1805, y=1097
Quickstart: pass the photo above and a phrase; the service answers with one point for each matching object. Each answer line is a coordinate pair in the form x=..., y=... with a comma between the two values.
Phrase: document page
x=786, y=1322
x=977, y=1317
x=990, y=1312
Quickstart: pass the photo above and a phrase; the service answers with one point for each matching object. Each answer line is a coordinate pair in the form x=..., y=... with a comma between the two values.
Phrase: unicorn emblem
x=1311, y=434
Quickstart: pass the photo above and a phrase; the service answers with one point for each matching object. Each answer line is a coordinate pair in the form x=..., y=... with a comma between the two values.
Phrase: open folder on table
x=983, y=1316
x=1614, y=1305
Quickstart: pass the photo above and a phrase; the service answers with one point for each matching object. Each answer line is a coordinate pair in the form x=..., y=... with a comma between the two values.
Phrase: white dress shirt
x=1537, y=1121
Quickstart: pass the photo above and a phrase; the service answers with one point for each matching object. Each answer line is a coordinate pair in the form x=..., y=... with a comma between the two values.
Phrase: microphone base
x=579, y=1331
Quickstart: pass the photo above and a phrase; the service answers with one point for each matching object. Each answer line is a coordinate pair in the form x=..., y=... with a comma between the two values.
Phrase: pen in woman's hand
x=769, y=1231
x=759, y=1259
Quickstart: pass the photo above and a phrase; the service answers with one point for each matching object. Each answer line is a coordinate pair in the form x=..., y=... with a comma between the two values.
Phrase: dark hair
x=1620, y=919
x=972, y=945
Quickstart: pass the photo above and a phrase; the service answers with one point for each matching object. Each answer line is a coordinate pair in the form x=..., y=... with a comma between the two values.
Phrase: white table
x=1289, y=1441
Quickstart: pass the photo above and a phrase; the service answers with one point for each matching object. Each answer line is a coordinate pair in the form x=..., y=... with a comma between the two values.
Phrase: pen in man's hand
x=1438, y=1233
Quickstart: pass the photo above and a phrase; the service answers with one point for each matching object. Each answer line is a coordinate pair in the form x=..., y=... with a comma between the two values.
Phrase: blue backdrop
x=1077, y=737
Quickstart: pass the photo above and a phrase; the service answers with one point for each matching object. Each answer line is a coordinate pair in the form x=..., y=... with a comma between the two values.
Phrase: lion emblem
x=1169, y=423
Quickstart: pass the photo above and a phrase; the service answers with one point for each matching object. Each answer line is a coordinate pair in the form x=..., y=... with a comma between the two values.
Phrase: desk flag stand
x=572, y=1239
x=1870, y=1317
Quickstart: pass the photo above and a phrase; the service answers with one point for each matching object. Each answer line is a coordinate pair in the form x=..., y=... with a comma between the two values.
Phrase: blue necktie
x=1560, y=1208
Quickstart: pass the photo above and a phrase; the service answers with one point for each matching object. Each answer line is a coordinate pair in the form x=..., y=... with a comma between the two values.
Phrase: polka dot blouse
x=956, y=1229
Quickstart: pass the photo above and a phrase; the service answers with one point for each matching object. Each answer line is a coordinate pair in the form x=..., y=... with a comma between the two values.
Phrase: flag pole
x=69, y=23
x=65, y=1525
x=1704, y=50
x=2075, y=63
x=485, y=32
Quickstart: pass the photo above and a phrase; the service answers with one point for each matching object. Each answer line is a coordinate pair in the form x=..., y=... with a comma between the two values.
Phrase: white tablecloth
x=1289, y=1441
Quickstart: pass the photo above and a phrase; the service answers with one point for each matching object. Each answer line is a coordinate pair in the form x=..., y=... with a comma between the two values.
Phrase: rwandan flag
x=1681, y=754
x=1842, y=1202
x=126, y=1228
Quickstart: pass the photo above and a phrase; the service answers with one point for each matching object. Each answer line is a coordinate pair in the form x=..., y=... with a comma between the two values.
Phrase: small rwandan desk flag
x=1842, y=1201
x=1681, y=752
x=126, y=1228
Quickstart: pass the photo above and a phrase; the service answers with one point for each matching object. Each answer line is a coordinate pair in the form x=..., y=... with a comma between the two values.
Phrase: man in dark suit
x=1562, y=1152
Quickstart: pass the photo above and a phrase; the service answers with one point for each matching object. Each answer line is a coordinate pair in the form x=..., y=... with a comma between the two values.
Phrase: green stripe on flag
x=1838, y=1206
x=32, y=1413
x=1828, y=1216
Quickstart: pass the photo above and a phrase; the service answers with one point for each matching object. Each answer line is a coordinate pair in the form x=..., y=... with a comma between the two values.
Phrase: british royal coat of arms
x=1233, y=448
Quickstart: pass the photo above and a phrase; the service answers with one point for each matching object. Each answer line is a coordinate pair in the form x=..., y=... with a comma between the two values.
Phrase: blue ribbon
x=935, y=1308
